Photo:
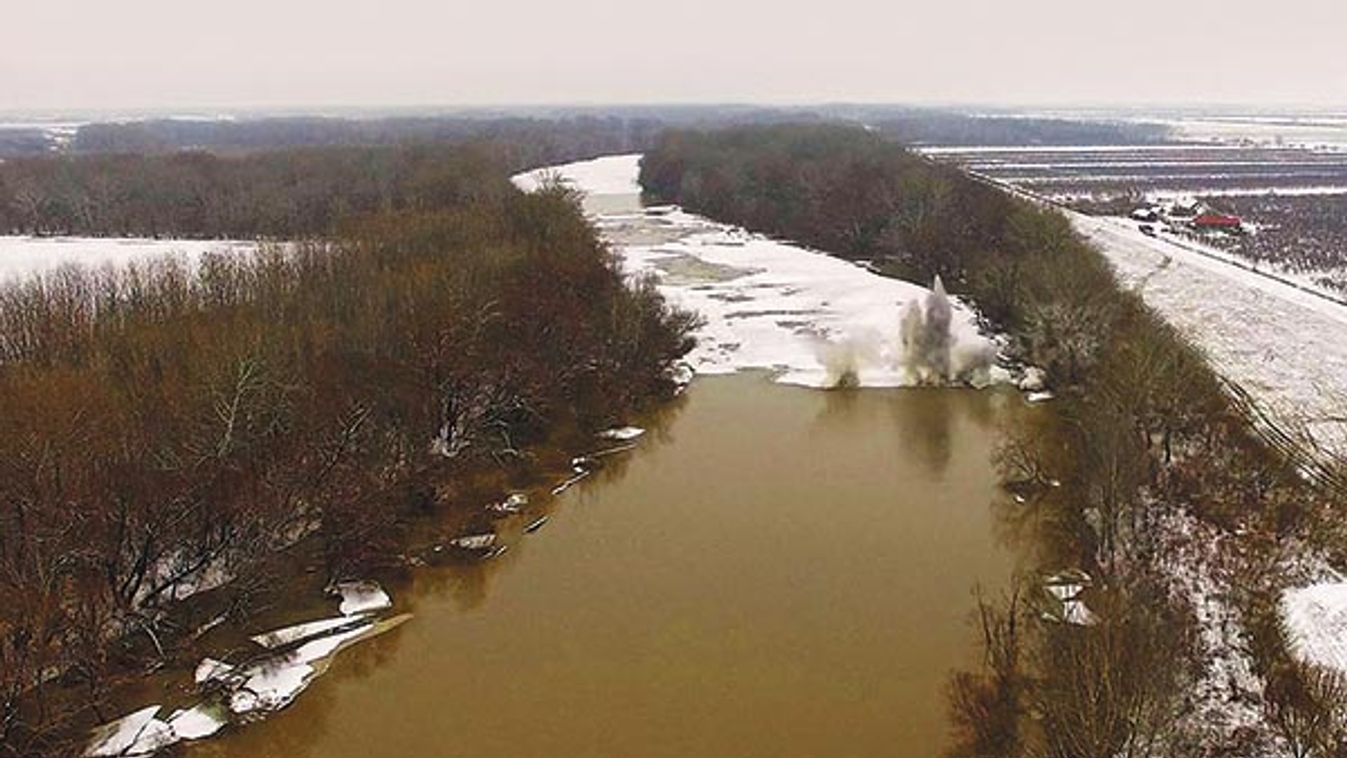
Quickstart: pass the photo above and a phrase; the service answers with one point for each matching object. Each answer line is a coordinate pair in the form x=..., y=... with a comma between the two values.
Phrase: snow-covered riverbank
x=811, y=318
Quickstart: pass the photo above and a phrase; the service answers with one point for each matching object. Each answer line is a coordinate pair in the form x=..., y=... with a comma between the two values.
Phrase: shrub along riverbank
x=1150, y=451
x=167, y=425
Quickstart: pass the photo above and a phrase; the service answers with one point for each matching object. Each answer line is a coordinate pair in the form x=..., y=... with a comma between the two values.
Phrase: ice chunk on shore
x=1034, y=379
x=510, y=505
x=286, y=635
x=209, y=669
x=362, y=597
x=571, y=482
x=474, y=541
x=1075, y=612
x=1064, y=590
x=198, y=722
x=274, y=682
x=622, y=433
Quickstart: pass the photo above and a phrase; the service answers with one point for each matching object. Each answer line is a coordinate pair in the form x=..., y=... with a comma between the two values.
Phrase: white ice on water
x=810, y=318
x=198, y=722
x=286, y=635
x=275, y=681
x=119, y=737
x=362, y=597
x=609, y=175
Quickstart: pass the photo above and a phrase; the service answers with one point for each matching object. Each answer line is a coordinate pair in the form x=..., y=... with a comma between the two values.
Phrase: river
x=775, y=571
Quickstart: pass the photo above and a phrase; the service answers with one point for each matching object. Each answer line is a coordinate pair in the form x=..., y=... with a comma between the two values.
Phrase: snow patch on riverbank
x=1316, y=619
x=810, y=318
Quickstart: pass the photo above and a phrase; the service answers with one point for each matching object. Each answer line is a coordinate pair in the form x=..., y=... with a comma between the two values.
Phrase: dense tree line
x=555, y=134
x=21, y=141
x=1145, y=433
x=545, y=140
x=165, y=425
x=278, y=193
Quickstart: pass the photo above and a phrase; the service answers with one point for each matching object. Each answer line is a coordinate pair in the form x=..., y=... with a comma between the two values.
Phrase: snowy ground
x=805, y=315
x=1285, y=346
x=24, y=256
x=1317, y=620
x=1202, y=561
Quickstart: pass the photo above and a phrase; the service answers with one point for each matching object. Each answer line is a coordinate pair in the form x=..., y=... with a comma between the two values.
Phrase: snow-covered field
x=1286, y=347
x=25, y=256
x=806, y=316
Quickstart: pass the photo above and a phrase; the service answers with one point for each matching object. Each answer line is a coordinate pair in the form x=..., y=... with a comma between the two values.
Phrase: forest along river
x=773, y=571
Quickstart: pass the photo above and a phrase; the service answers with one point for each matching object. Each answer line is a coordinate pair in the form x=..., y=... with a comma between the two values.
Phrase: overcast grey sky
x=307, y=53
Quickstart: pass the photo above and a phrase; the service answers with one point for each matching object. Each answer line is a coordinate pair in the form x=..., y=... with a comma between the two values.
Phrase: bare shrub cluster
x=165, y=427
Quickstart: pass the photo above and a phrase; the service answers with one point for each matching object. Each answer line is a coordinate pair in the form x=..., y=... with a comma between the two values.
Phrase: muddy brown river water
x=774, y=571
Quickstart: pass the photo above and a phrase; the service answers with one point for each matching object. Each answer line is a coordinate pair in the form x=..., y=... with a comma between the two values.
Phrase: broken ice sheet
x=571, y=482
x=1072, y=612
x=511, y=505
x=209, y=669
x=117, y=737
x=286, y=635
x=362, y=597
x=275, y=681
x=1067, y=585
x=199, y=721
x=474, y=541
x=1075, y=612
x=136, y=734
x=1064, y=592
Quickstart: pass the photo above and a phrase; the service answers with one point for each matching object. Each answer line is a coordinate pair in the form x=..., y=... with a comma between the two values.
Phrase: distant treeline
x=285, y=193
x=275, y=193
x=21, y=141
x=1147, y=433
x=948, y=128
x=551, y=135
x=165, y=425
x=545, y=140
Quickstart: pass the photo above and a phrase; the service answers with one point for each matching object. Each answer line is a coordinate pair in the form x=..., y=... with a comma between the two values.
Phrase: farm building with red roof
x=1218, y=221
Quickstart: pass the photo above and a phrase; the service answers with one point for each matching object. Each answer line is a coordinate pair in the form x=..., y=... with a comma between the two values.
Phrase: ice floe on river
x=810, y=318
